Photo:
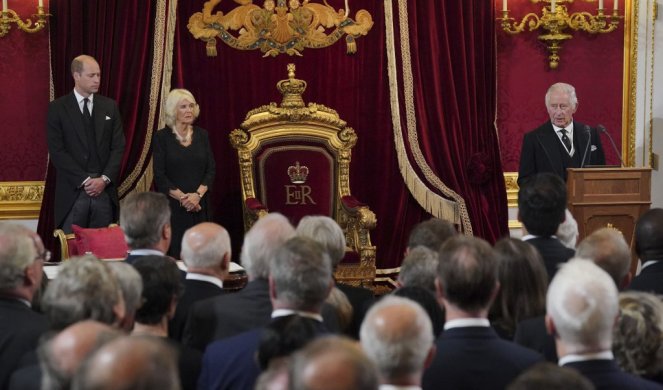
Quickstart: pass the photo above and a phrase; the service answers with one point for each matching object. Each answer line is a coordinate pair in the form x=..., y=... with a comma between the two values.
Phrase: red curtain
x=119, y=35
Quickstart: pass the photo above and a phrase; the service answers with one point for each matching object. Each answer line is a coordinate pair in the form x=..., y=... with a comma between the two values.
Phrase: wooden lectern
x=609, y=197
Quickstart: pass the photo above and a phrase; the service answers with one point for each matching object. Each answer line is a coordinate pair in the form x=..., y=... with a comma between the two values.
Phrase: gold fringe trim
x=451, y=210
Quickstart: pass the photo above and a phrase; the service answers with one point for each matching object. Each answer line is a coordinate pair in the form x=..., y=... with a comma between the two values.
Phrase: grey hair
x=567, y=232
x=85, y=288
x=302, y=274
x=143, y=215
x=419, y=268
x=398, y=349
x=608, y=249
x=131, y=284
x=261, y=241
x=17, y=251
x=582, y=302
x=564, y=88
x=173, y=98
x=327, y=233
x=209, y=254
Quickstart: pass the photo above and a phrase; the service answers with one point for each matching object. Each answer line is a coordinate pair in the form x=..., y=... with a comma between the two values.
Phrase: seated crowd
x=530, y=313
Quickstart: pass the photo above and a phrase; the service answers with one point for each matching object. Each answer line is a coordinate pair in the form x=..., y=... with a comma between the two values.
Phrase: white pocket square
x=593, y=146
x=108, y=118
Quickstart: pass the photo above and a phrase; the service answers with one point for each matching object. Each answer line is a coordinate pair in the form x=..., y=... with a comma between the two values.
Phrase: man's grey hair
x=583, y=304
x=207, y=255
x=302, y=274
x=261, y=241
x=143, y=215
x=17, y=251
x=567, y=232
x=397, y=335
x=326, y=232
x=608, y=249
x=130, y=283
x=85, y=288
x=419, y=268
x=564, y=88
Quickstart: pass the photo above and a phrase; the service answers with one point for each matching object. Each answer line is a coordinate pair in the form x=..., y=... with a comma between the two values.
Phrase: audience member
x=326, y=231
x=131, y=286
x=471, y=354
x=649, y=248
x=61, y=356
x=418, y=268
x=282, y=337
x=428, y=302
x=130, y=362
x=21, y=261
x=541, y=207
x=300, y=278
x=567, y=232
x=581, y=308
x=430, y=234
x=162, y=288
x=85, y=289
x=145, y=220
x=638, y=335
x=332, y=363
x=206, y=253
x=397, y=335
x=549, y=376
x=523, y=284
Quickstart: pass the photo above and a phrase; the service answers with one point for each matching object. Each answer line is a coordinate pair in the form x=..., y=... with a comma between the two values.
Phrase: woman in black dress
x=184, y=166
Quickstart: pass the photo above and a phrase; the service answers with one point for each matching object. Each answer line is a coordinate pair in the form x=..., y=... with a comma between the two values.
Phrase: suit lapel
x=74, y=112
x=99, y=117
x=550, y=141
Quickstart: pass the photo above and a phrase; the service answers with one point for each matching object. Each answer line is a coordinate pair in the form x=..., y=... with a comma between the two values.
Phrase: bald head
x=63, y=354
x=128, y=361
x=206, y=246
x=397, y=335
x=608, y=249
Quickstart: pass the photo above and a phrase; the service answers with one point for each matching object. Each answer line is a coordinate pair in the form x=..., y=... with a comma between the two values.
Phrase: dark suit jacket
x=361, y=299
x=553, y=253
x=532, y=333
x=231, y=363
x=606, y=375
x=20, y=329
x=230, y=314
x=542, y=151
x=476, y=358
x=194, y=291
x=69, y=151
x=650, y=279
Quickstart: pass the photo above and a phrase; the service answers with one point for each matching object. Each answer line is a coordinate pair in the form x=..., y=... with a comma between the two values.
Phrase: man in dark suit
x=470, y=354
x=560, y=143
x=581, y=307
x=145, y=220
x=206, y=253
x=649, y=248
x=541, y=208
x=85, y=143
x=21, y=261
x=300, y=279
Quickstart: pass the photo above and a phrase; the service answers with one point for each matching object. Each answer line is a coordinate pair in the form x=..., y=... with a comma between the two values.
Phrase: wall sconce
x=8, y=16
x=555, y=20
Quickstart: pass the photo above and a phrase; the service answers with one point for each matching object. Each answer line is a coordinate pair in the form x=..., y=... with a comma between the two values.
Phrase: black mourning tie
x=566, y=140
x=86, y=111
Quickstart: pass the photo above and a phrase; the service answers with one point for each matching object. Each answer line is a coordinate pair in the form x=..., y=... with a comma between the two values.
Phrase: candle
x=4, y=5
x=600, y=4
x=552, y=6
x=41, y=3
x=616, y=5
x=504, y=5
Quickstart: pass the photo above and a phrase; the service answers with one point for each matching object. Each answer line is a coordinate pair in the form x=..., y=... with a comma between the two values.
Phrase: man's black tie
x=86, y=111
x=566, y=140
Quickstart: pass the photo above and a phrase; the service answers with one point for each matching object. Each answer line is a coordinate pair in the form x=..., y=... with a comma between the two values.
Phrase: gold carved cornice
x=20, y=199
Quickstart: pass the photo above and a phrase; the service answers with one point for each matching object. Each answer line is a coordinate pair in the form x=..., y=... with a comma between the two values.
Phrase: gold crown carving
x=292, y=89
x=298, y=173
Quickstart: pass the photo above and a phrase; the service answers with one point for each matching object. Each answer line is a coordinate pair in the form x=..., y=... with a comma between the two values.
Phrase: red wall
x=24, y=96
x=592, y=63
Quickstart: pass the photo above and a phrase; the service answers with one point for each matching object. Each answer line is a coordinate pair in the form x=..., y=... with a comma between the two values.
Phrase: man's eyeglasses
x=45, y=255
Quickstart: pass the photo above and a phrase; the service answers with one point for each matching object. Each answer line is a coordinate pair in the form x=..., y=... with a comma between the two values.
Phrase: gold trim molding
x=20, y=199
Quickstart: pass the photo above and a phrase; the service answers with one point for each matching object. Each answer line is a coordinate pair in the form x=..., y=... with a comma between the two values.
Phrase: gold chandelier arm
x=510, y=26
x=10, y=16
x=592, y=24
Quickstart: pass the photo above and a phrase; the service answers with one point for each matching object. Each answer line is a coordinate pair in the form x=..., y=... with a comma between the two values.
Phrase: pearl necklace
x=183, y=139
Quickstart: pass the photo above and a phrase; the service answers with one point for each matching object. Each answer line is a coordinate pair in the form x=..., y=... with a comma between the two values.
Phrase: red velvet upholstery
x=72, y=245
x=254, y=204
x=315, y=196
x=105, y=243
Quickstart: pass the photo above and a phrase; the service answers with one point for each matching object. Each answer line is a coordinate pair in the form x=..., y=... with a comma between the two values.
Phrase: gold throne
x=295, y=159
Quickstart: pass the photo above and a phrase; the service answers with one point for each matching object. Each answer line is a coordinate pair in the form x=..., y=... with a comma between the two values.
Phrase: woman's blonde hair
x=174, y=97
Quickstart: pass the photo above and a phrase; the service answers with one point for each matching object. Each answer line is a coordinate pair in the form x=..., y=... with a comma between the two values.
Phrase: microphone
x=612, y=142
x=589, y=142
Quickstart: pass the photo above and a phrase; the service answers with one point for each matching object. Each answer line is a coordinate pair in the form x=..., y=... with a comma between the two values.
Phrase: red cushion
x=105, y=243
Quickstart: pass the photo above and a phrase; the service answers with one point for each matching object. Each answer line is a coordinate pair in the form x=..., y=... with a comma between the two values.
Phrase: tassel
x=352, y=45
x=211, y=47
